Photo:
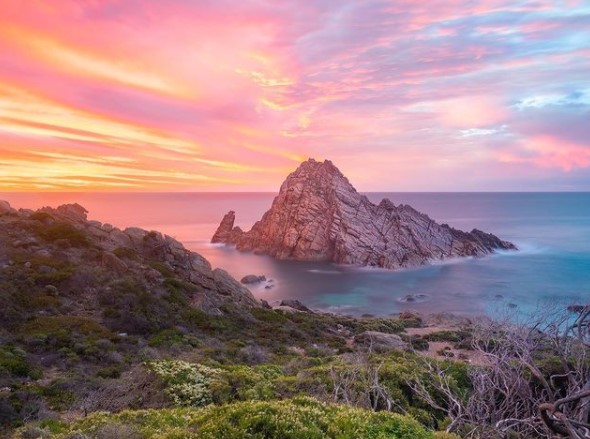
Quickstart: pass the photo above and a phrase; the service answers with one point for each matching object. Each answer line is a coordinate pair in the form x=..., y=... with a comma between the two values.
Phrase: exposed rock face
x=319, y=216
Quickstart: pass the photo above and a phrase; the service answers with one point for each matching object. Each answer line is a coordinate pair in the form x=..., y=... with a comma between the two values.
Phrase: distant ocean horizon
x=551, y=268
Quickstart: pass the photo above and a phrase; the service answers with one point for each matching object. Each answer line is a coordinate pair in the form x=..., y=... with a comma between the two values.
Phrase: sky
x=230, y=95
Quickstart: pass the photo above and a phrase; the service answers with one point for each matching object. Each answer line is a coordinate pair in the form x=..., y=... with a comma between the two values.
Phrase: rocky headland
x=48, y=239
x=319, y=216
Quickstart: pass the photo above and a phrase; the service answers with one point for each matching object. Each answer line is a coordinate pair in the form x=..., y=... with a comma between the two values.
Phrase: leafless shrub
x=136, y=388
x=357, y=382
x=535, y=380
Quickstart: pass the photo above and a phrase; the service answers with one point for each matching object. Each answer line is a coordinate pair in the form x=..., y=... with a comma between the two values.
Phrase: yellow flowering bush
x=187, y=384
x=299, y=418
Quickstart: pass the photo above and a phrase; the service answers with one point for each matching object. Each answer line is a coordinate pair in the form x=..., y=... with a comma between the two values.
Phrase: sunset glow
x=183, y=95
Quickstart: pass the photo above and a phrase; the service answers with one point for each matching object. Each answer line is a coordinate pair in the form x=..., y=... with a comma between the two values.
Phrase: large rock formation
x=319, y=216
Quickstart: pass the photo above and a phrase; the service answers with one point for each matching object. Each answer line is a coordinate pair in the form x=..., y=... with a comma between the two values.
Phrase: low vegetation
x=88, y=352
x=299, y=418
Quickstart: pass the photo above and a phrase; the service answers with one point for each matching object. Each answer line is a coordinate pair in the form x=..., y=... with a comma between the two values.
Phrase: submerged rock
x=253, y=279
x=319, y=216
x=408, y=298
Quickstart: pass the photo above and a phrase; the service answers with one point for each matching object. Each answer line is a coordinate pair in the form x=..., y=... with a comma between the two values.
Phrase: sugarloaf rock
x=319, y=216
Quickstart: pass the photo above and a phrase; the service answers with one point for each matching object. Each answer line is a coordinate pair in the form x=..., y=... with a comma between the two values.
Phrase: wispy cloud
x=405, y=95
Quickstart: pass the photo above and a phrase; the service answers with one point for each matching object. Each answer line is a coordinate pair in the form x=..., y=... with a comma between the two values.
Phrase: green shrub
x=63, y=232
x=246, y=383
x=110, y=371
x=444, y=435
x=186, y=384
x=390, y=326
x=41, y=216
x=57, y=395
x=176, y=296
x=412, y=322
x=57, y=270
x=13, y=361
x=162, y=268
x=300, y=418
x=126, y=253
x=70, y=335
x=169, y=337
x=268, y=315
x=173, y=283
x=448, y=336
x=215, y=324
x=47, y=325
x=416, y=342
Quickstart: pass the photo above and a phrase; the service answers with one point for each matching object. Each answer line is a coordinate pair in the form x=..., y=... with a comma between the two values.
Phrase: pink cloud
x=235, y=92
x=471, y=112
x=550, y=152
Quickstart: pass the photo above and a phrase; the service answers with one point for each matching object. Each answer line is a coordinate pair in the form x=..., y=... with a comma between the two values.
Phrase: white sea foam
x=341, y=309
x=317, y=271
x=212, y=244
x=525, y=248
x=451, y=261
x=368, y=269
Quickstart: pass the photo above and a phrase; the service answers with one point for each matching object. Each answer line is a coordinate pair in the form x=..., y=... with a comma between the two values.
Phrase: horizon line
x=275, y=192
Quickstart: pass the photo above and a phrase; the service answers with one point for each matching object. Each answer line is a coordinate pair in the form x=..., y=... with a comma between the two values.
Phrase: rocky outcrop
x=319, y=216
x=295, y=304
x=6, y=209
x=380, y=340
x=226, y=228
x=65, y=233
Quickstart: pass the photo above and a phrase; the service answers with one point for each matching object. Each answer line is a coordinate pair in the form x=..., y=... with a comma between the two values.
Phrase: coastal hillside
x=110, y=333
x=97, y=319
x=319, y=216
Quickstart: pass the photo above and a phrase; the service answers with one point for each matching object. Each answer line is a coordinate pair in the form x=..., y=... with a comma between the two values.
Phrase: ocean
x=551, y=268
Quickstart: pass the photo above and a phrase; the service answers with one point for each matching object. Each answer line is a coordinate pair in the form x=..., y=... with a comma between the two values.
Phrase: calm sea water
x=552, y=267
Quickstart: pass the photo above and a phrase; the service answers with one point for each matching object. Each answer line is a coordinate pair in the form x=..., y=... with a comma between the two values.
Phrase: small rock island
x=319, y=216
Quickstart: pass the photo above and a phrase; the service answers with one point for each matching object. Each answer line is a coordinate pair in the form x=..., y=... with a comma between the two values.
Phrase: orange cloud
x=228, y=95
x=28, y=114
x=71, y=60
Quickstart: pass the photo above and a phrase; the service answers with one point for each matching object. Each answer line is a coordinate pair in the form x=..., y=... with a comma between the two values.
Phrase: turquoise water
x=552, y=267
